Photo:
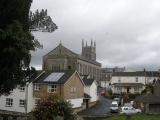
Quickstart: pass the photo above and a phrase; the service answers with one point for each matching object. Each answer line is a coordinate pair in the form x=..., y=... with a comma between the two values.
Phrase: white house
x=131, y=82
x=127, y=82
x=90, y=91
x=19, y=100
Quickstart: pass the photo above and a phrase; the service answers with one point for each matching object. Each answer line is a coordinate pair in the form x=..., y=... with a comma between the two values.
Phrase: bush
x=52, y=108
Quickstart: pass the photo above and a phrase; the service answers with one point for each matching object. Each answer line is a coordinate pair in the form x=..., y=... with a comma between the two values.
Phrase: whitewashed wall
x=93, y=92
x=16, y=95
x=128, y=79
x=76, y=102
x=105, y=84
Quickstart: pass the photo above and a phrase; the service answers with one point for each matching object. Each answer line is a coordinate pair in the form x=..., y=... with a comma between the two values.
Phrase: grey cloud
x=126, y=31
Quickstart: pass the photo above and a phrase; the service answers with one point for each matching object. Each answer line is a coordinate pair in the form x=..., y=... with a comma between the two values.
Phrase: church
x=62, y=58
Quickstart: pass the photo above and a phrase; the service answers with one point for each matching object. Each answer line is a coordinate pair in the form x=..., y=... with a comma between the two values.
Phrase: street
x=102, y=108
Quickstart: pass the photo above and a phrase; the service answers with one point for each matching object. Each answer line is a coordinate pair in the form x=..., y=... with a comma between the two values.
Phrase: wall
x=128, y=79
x=76, y=102
x=16, y=95
x=75, y=97
x=93, y=92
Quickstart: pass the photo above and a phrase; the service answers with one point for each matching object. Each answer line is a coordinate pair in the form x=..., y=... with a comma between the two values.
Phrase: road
x=102, y=108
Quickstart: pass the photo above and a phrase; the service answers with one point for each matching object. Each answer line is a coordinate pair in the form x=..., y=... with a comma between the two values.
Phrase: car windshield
x=117, y=99
x=114, y=105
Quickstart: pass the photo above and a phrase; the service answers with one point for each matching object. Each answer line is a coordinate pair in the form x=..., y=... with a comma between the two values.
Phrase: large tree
x=16, y=42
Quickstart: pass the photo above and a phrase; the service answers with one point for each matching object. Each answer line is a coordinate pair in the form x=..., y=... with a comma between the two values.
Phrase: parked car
x=129, y=110
x=114, y=107
x=118, y=100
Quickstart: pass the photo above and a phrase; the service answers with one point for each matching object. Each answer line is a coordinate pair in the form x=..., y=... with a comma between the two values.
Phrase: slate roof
x=60, y=48
x=138, y=73
x=148, y=98
x=127, y=84
x=62, y=80
x=86, y=96
x=87, y=81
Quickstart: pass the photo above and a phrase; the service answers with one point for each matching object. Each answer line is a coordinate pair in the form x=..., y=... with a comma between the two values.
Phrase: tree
x=16, y=42
x=40, y=21
x=52, y=108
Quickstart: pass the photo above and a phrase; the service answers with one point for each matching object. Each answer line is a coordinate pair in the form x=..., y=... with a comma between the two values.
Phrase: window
x=52, y=88
x=119, y=89
x=119, y=79
x=21, y=103
x=69, y=67
x=136, y=89
x=37, y=101
x=9, y=102
x=136, y=79
x=22, y=88
x=37, y=87
x=73, y=89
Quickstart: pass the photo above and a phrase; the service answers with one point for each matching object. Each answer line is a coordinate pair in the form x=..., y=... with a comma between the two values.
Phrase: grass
x=133, y=117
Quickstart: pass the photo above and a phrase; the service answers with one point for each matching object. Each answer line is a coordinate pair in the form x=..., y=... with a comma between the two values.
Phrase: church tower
x=89, y=52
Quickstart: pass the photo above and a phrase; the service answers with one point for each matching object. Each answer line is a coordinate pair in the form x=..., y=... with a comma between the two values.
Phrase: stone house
x=65, y=84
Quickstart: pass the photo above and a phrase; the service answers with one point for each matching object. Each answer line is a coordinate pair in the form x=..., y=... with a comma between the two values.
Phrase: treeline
x=40, y=21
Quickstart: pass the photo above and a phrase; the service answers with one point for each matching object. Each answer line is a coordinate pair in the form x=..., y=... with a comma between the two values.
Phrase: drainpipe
x=26, y=97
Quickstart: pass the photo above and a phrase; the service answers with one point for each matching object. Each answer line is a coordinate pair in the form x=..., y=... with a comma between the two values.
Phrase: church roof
x=61, y=50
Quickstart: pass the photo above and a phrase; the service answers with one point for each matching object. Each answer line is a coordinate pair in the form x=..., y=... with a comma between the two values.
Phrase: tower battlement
x=89, y=52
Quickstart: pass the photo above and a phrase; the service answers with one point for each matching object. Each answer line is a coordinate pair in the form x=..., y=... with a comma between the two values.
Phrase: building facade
x=61, y=58
x=65, y=85
x=132, y=82
x=19, y=100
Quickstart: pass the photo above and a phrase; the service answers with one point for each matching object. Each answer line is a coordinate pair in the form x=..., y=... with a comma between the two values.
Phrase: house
x=90, y=91
x=65, y=84
x=128, y=82
x=132, y=82
x=150, y=103
x=62, y=58
x=106, y=75
x=19, y=99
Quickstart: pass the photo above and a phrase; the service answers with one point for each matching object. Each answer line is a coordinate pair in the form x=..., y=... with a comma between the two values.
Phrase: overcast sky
x=127, y=32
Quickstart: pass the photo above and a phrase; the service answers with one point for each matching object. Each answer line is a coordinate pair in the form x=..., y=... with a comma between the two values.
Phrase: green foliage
x=40, y=21
x=52, y=108
x=16, y=42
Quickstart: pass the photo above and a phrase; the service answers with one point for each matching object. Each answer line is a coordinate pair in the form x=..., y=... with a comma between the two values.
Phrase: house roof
x=127, y=84
x=86, y=96
x=138, y=73
x=54, y=77
x=148, y=98
x=87, y=80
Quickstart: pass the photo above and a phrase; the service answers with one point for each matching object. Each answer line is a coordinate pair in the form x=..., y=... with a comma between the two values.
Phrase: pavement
x=100, y=109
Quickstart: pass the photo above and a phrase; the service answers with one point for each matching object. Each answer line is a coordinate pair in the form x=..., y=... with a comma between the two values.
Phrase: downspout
x=26, y=98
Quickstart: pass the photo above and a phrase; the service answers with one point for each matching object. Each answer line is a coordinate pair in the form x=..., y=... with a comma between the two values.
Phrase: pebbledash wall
x=16, y=95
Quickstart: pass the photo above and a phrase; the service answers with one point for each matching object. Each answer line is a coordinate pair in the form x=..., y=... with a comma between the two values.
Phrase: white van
x=114, y=107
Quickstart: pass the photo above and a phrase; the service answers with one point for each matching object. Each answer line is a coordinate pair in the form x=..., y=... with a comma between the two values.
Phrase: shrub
x=51, y=108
